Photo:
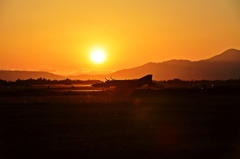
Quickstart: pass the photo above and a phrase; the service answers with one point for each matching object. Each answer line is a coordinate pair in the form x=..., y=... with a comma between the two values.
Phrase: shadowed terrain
x=171, y=123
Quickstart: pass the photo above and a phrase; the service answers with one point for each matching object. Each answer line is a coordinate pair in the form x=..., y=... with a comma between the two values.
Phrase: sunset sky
x=58, y=35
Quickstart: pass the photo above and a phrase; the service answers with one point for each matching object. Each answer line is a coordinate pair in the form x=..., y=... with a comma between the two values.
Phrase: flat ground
x=171, y=123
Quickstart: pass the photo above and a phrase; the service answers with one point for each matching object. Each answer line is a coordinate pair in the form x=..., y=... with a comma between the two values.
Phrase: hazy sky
x=57, y=35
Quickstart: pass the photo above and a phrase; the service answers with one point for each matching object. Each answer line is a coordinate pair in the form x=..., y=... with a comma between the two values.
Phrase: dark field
x=170, y=123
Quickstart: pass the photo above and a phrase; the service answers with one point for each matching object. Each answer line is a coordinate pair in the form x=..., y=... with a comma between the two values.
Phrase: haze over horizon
x=223, y=66
x=226, y=55
x=58, y=36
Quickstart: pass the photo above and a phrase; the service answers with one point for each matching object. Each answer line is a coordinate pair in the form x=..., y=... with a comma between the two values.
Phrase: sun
x=98, y=56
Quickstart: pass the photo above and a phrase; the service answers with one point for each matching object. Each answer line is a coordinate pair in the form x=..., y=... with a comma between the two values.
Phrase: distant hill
x=231, y=55
x=88, y=77
x=23, y=75
x=222, y=66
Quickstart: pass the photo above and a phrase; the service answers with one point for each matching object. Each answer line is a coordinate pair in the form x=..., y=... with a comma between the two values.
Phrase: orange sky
x=58, y=35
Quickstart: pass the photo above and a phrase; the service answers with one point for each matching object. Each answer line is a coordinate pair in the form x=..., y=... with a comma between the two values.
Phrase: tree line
x=48, y=81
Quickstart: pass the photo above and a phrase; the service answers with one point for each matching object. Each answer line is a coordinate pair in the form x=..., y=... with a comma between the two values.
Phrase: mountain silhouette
x=231, y=55
x=223, y=66
x=220, y=67
x=23, y=75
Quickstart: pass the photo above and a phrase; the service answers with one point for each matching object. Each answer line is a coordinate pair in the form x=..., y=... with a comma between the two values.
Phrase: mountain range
x=223, y=66
x=23, y=75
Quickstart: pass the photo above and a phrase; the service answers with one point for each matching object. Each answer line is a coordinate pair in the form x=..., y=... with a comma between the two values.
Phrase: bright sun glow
x=98, y=55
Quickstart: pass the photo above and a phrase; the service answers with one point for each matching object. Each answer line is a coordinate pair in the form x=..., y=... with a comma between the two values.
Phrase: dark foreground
x=148, y=124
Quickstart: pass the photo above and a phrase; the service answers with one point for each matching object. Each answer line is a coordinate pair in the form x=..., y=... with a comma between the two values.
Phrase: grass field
x=148, y=124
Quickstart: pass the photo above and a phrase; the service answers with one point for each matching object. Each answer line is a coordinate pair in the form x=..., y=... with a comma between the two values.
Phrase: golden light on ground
x=98, y=56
